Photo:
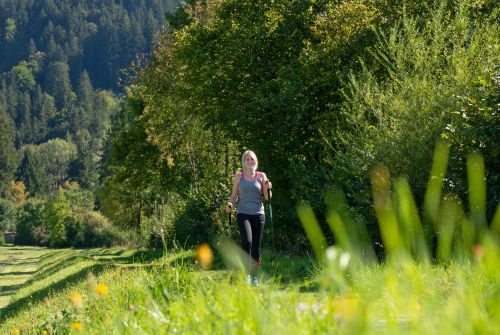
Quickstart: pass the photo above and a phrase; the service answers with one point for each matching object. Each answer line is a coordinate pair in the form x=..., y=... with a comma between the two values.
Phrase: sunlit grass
x=449, y=284
x=180, y=298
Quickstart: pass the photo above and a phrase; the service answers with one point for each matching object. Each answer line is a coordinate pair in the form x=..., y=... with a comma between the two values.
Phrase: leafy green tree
x=24, y=76
x=10, y=29
x=132, y=167
x=32, y=224
x=56, y=156
x=395, y=119
x=58, y=215
x=7, y=215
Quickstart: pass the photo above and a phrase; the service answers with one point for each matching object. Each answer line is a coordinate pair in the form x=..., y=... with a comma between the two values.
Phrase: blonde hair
x=251, y=153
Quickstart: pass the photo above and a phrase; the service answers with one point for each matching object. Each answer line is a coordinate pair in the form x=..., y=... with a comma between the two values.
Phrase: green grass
x=17, y=265
x=164, y=295
x=454, y=289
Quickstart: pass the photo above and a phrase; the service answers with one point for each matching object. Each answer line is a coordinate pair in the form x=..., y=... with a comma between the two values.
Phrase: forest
x=322, y=91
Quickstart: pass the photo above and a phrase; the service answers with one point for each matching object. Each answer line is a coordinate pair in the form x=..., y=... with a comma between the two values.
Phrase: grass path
x=17, y=265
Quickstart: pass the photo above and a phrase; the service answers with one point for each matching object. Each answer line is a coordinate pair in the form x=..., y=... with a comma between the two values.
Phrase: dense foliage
x=323, y=91
x=60, y=75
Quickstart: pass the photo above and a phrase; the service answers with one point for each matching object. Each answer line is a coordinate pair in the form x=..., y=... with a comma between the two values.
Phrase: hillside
x=60, y=69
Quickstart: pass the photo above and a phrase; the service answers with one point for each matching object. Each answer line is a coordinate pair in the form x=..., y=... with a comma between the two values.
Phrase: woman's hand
x=268, y=185
x=229, y=207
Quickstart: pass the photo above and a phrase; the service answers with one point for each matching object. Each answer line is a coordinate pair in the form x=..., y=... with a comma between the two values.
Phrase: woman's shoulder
x=262, y=175
x=238, y=175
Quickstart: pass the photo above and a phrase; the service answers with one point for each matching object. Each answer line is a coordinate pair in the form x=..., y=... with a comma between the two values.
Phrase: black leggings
x=251, y=229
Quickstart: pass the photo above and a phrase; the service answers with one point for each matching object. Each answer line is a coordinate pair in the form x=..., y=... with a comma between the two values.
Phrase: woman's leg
x=245, y=232
x=257, y=229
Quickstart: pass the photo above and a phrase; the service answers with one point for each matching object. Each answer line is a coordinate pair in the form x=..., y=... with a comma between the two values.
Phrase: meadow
x=450, y=285
x=113, y=291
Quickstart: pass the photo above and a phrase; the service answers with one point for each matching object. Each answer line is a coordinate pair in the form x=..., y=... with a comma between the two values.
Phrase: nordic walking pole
x=270, y=213
x=230, y=214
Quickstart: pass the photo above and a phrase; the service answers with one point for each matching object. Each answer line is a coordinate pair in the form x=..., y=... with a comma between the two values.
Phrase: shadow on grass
x=61, y=262
x=17, y=273
x=17, y=305
x=9, y=290
x=53, y=268
x=20, y=261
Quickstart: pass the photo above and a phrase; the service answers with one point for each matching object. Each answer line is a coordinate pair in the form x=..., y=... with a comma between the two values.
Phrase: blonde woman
x=249, y=187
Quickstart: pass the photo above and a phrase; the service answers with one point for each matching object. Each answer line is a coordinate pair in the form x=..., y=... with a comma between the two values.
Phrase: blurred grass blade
x=477, y=191
x=432, y=198
x=465, y=240
x=313, y=231
x=450, y=214
x=336, y=203
x=411, y=226
x=235, y=257
x=386, y=217
x=350, y=236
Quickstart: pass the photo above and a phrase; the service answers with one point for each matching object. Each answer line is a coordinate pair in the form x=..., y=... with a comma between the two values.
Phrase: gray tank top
x=250, y=196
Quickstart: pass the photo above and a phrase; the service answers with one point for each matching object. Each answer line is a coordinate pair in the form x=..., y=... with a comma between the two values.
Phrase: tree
x=24, y=76
x=32, y=172
x=56, y=156
x=17, y=192
x=44, y=115
x=57, y=83
x=8, y=159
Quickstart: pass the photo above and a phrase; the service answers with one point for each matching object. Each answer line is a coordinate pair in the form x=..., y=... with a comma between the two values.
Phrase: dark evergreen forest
x=60, y=69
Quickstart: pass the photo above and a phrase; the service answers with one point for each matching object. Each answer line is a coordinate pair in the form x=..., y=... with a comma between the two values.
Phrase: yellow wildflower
x=76, y=298
x=346, y=306
x=15, y=331
x=77, y=326
x=101, y=289
x=204, y=255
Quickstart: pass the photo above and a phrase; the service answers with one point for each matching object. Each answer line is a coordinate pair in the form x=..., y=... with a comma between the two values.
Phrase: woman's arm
x=266, y=185
x=234, y=193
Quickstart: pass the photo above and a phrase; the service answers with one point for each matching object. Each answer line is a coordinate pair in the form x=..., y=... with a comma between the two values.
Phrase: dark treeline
x=100, y=37
x=60, y=70
x=323, y=91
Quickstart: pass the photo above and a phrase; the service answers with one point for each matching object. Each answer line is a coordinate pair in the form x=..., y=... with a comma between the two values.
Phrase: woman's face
x=250, y=162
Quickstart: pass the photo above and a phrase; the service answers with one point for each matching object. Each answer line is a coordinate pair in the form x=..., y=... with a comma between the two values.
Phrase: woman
x=249, y=186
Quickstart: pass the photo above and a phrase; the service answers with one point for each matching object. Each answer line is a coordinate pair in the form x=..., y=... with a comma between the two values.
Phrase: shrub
x=87, y=228
x=7, y=215
x=395, y=120
x=31, y=226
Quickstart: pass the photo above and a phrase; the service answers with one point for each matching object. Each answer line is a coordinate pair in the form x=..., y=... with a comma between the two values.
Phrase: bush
x=394, y=121
x=31, y=226
x=7, y=215
x=87, y=228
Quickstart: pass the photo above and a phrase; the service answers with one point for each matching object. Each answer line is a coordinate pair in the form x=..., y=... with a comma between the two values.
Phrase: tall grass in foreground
x=457, y=249
x=452, y=287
